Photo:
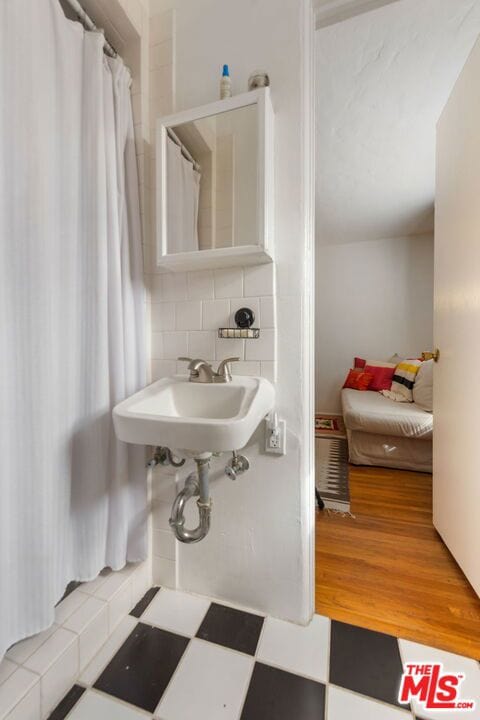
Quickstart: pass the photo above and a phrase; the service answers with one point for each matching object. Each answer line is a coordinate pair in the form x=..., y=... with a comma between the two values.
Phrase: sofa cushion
x=373, y=413
x=423, y=387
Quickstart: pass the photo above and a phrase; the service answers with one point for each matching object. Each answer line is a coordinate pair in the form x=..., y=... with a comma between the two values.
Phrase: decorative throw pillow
x=382, y=376
x=359, y=363
x=423, y=387
x=396, y=359
x=357, y=380
x=403, y=381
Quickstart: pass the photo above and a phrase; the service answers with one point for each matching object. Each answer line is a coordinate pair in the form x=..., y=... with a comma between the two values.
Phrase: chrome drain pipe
x=196, y=485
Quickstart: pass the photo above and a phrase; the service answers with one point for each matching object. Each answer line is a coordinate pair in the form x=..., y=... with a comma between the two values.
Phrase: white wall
x=259, y=550
x=373, y=299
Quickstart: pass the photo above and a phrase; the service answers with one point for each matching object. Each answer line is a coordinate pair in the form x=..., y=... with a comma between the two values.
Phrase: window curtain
x=72, y=338
x=183, y=191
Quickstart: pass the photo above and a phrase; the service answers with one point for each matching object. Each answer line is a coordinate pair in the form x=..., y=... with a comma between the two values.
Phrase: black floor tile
x=365, y=661
x=278, y=695
x=142, y=604
x=231, y=628
x=65, y=705
x=142, y=668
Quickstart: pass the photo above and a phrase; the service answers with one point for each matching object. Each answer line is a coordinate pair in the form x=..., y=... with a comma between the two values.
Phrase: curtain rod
x=87, y=22
x=185, y=152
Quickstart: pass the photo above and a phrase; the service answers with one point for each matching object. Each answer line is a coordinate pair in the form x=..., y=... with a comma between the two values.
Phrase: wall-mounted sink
x=195, y=417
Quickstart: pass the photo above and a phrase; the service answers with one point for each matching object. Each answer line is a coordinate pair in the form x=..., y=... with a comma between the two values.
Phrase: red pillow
x=381, y=377
x=358, y=380
x=359, y=363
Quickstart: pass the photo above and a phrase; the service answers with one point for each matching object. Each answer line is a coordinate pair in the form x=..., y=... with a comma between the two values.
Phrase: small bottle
x=225, y=84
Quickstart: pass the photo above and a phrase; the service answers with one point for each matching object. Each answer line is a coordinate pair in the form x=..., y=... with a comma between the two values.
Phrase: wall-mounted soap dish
x=244, y=319
x=246, y=333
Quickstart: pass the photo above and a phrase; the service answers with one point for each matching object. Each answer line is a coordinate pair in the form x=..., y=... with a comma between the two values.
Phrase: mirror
x=215, y=184
x=211, y=182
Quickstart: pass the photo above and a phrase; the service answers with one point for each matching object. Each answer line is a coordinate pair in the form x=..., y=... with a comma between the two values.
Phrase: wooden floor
x=388, y=569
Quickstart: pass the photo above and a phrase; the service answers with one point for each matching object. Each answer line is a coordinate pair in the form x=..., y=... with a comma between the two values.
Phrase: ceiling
x=330, y=11
x=383, y=78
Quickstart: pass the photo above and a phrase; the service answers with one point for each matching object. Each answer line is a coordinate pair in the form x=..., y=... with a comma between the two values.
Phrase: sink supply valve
x=164, y=456
x=237, y=466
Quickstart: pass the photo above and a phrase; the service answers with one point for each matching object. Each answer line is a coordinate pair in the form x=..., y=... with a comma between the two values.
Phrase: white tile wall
x=49, y=663
x=213, y=299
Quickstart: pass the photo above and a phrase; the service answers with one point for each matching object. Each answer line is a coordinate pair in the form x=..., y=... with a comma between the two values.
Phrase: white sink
x=195, y=417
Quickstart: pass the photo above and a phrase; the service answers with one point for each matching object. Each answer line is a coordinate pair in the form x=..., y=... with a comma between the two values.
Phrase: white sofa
x=386, y=433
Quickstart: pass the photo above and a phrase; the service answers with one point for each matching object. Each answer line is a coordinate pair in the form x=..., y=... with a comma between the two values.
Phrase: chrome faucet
x=202, y=372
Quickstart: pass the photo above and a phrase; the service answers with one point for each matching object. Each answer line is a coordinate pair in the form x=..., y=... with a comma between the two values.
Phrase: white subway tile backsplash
x=246, y=368
x=189, y=315
x=215, y=314
x=173, y=286
x=259, y=280
x=164, y=572
x=156, y=348
x=201, y=344
x=251, y=302
x=228, y=282
x=163, y=316
x=267, y=312
x=231, y=347
x=174, y=345
x=200, y=285
x=163, y=368
x=164, y=544
x=161, y=515
x=263, y=348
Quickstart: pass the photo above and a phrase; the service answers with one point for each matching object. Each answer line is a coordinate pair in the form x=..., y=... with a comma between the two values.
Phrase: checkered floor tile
x=185, y=658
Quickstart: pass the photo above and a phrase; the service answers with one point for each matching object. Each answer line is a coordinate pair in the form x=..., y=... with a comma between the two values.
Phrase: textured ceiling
x=383, y=79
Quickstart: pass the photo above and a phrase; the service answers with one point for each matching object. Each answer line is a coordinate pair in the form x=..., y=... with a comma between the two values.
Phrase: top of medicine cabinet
x=214, y=195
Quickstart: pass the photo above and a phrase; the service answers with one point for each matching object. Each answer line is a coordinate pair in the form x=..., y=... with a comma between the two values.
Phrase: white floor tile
x=343, y=704
x=93, y=706
x=469, y=689
x=301, y=650
x=210, y=682
x=107, y=651
x=176, y=611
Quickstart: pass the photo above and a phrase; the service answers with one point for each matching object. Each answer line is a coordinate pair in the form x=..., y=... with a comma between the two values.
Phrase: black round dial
x=244, y=318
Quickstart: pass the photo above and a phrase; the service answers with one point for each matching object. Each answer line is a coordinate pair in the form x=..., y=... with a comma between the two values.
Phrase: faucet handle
x=224, y=369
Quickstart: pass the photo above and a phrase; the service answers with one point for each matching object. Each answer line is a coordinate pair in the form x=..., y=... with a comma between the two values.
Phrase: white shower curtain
x=72, y=498
x=183, y=190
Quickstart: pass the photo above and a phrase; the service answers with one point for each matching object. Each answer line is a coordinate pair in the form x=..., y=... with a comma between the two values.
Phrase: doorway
x=383, y=79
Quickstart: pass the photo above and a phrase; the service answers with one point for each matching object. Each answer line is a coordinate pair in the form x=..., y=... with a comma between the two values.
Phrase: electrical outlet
x=275, y=437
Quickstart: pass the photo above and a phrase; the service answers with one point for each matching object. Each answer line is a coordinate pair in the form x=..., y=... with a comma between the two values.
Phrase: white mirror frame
x=257, y=253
